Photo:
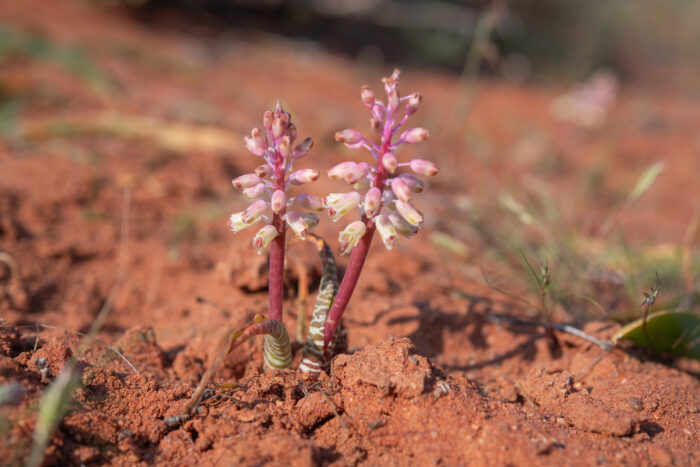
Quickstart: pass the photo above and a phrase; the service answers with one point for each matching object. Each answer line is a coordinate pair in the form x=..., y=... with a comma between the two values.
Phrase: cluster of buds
x=267, y=186
x=382, y=195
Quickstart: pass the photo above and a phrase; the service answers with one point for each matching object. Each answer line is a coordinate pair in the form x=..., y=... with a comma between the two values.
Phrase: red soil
x=450, y=387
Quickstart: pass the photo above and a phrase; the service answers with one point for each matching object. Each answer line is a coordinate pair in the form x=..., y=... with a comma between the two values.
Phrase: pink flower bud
x=311, y=202
x=235, y=222
x=409, y=212
x=414, y=101
x=246, y=181
x=292, y=132
x=302, y=148
x=303, y=176
x=414, y=183
x=423, y=167
x=373, y=201
x=268, y=118
x=367, y=96
x=284, y=147
x=341, y=171
x=357, y=173
x=263, y=171
x=255, y=210
x=340, y=204
x=400, y=189
x=297, y=224
x=348, y=136
x=390, y=162
x=386, y=230
x=392, y=100
x=252, y=146
x=263, y=238
x=259, y=138
x=349, y=237
x=278, y=201
x=255, y=191
x=401, y=226
x=279, y=125
x=415, y=135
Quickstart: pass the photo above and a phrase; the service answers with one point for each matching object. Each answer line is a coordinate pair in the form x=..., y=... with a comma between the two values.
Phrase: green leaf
x=646, y=180
x=673, y=332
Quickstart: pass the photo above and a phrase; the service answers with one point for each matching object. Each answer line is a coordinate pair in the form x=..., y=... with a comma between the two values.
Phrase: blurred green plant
x=675, y=333
x=33, y=46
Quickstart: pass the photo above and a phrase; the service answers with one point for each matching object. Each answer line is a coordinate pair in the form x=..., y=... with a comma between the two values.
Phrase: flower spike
x=386, y=205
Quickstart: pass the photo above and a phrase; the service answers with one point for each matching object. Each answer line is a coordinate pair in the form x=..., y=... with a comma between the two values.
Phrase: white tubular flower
x=386, y=230
x=401, y=226
x=297, y=223
x=263, y=238
x=409, y=212
x=349, y=237
x=254, y=211
x=235, y=222
x=340, y=204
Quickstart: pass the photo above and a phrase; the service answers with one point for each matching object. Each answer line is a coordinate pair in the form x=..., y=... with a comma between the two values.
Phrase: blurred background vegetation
x=524, y=39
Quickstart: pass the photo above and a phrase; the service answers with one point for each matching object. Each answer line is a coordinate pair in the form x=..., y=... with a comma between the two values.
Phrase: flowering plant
x=381, y=193
x=386, y=202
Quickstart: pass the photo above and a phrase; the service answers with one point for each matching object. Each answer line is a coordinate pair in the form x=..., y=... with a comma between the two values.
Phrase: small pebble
x=635, y=404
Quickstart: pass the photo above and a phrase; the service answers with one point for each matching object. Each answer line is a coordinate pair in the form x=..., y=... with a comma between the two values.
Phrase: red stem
x=277, y=247
x=359, y=253
x=276, y=274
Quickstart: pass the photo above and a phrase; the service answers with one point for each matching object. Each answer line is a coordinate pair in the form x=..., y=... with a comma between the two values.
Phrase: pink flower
x=303, y=176
x=278, y=201
x=424, y=167
x=348, y=136
x=400, y=189
x=373, y=201
x=390, y=162
x=246, y=181
x=341, y=171
x=414, y=135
